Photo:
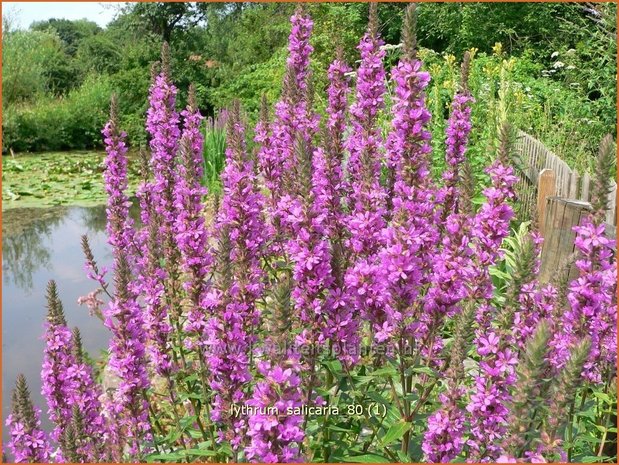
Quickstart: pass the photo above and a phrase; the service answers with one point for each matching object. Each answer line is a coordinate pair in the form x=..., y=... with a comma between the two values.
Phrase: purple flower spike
x=458, y=129
x=28, y=442
x=275, y=429
x=120, y=225
x=230, y=331
x=190, y=227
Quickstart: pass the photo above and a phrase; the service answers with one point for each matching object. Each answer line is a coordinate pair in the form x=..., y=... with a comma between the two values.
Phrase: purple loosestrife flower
x=451, y=269
x=92, y=270
x=151, y=282
x=592, y=302
x=264, y=139
x=279, y=146
x=536, y=304
x=458, y=129
x=408, y=142
x=156, y=310
x=365, y=290
x=525, y=304
x=230, y=331
x=28, y=442
x=68, y=382
x=275, y=430
x=404, y=261
x=301, y=91
x=58, y=359
x=123, y=317
x=299, y=48
x=325, y=280
x=309, y=252
x=276, y=433
x=490, y=395
x=328, y=181
x=162, y=123
x=411, y=233
x=120, y=225
x=191, y=228
x=241, y=209
x=592, y=297
x=294, y=119
x=444, y=439
x=328, y=191
x=365, y=141
x=92, y=302
x=191, y=132
x=86, y=395
x=491, y=225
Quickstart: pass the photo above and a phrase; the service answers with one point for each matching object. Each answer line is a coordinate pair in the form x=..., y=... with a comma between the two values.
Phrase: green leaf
x=199, y=452
x=170, y=457
x=592, y=459
x=602, y=396
x=188, y=421
x=395, y=432
x=375, y=396
x=424, y=370
x=604, y=429
x=194, y=433
x=192, y=377
x=339, y=429
x=361, y=380
x=334, y=366
x=386, y=371
x=367, y=458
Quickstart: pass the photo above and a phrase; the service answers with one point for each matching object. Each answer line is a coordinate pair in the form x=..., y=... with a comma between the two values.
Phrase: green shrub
x=28, y=60
x=71, y=122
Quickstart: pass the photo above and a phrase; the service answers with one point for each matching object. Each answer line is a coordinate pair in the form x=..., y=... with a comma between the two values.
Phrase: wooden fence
x=569, y=183
x=559, y=196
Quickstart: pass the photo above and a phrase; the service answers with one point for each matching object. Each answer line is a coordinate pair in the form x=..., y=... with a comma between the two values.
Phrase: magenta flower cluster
x=28, y=443
x=329, y=234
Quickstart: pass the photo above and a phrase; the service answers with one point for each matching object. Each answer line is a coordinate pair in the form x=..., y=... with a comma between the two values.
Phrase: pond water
x=39, y=244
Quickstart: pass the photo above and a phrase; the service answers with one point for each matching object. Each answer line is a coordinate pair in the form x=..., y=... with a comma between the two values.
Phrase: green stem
x=570, y=431
x=177, y=419
x=205, y=395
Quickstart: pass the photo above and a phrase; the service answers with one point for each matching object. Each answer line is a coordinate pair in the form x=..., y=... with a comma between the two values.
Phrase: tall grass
x=214, y=151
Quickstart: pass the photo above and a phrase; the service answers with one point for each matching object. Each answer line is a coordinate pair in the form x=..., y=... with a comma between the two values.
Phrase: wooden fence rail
x=560, y=197
x=569, y=184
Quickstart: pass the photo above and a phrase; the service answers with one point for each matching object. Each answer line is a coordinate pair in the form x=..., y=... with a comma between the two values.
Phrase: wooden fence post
x=561, y=216
x=567, y=182
x=546, y=187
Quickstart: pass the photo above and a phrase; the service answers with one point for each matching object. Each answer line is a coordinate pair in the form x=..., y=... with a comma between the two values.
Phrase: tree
x=162, y=18
x=72, y=33
x=28, y=57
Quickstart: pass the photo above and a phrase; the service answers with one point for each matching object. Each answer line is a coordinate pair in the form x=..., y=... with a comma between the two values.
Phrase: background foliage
x=555, y=64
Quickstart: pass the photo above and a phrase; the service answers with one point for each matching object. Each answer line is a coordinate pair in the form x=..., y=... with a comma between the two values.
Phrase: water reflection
x=39, y=245
x=26, y=233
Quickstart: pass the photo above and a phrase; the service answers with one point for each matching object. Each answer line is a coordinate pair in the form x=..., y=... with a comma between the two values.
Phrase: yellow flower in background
x=490, y=69
x=449, y=84
x=450, y=59
x=497, y=49
x=435, y=69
